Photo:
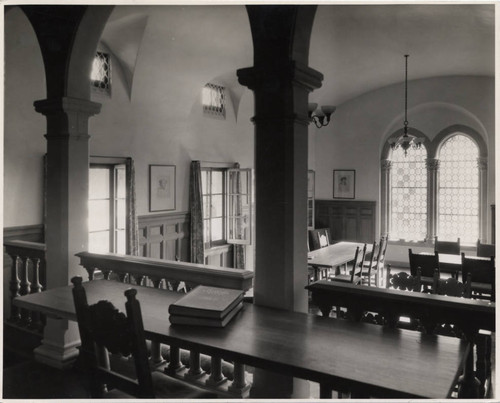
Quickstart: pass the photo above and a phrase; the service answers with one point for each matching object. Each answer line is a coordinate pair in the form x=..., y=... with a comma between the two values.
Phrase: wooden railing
x=190, y=366
x=27, y=276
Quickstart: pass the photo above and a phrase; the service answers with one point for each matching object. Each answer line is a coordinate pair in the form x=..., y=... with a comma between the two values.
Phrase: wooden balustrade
x=158, y=273
x=27, y=276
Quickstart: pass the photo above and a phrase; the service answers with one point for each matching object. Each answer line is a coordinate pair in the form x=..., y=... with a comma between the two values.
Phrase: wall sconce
x=320, y=116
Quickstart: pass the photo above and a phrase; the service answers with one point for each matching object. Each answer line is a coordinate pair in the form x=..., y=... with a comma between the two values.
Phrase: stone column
x=281, y=143
x=66, y=224
x=432, y=197
x=385, y=197
x=482, y=164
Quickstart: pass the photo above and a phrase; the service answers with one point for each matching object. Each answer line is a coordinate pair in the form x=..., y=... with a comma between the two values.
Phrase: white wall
x=24, y=144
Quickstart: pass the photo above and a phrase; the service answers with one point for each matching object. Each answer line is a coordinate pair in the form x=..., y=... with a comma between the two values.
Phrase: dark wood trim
x=148, y=218
x=33, y=233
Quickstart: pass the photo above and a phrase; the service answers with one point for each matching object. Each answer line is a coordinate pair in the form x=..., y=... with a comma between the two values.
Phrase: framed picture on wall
x=161, y=187
x=344, y=183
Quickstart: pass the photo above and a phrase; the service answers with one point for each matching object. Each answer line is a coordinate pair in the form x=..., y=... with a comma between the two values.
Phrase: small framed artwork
x=344, y=183
x=161, y=187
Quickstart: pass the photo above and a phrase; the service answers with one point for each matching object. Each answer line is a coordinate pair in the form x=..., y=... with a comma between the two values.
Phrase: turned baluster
x=195, y=370
x=138, y=278
x=25, y=289
x=36, y=287
x=175, y=365
x=216, y=377
x=14, y=288
x=90, y=271
x=156, y=357
x=239, y=384
x=121, y=277
x=106, y=274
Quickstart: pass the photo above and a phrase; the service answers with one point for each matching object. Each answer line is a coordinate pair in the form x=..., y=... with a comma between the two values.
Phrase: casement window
x=213, y=99
x=437, y=190
x=226, y=206
x=107, y=208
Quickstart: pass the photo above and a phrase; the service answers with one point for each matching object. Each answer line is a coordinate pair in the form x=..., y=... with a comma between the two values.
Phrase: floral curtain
x=132, y=247
x=196, y=210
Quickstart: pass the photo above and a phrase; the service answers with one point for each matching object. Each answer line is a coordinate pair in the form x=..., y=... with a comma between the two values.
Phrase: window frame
x=433, y=148
x=112, y=165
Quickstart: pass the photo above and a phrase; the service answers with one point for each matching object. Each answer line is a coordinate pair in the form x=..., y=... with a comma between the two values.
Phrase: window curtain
x=239, y=250
x=132, y=247
x=196, y=212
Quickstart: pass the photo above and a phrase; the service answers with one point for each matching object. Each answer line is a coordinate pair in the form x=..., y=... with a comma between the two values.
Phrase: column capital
x=432, y=164
x=292, y=72
x=55, y=106
x=482, y=163
x=385, y=164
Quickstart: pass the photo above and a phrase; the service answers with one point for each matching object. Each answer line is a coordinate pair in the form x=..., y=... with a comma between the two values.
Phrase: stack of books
x=206, y=306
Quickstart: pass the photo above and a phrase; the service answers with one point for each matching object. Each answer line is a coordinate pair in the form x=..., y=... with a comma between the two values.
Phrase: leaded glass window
x=409, y=195
x=101, y=73
x=214, y=100
x=458, y=215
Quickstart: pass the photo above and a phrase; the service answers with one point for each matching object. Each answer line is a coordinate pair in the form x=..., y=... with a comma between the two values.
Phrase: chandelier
x=406, y=141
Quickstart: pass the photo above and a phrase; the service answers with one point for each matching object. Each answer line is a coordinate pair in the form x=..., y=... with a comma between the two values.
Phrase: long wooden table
x=340, y=355
x=333, y=255
x=469, y=315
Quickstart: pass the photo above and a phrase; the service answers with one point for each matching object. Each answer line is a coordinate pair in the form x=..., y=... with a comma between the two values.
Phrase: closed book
x=205, y=301
x=204, y=321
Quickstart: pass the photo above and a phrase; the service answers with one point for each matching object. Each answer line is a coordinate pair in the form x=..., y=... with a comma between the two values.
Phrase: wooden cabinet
x=347, y=220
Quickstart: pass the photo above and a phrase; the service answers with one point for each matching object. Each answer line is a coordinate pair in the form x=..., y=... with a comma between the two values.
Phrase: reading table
x=341, y=355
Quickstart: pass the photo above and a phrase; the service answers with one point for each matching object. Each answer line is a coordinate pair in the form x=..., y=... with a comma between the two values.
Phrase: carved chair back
x=104, y=330
x=319, y=238
x=485, y=249
x=403, y=281
x=451, y=286
x=426, y=262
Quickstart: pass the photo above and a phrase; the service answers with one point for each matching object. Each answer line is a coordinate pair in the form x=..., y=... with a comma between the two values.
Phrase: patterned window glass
x=214, y=101
x=458, y=196
x=409, y=195
x=101, y=73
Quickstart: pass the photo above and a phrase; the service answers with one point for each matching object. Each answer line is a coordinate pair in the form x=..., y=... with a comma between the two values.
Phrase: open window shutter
x=239, y=206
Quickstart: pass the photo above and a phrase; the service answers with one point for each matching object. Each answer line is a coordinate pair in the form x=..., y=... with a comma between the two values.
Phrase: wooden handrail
x=168, y=269
x=25, y=248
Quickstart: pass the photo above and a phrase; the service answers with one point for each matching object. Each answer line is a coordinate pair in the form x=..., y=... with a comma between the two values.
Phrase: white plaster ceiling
x=358, y=48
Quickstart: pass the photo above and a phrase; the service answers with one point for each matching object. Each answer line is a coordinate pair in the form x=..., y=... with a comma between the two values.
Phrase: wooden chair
x=369, y=271
x=449, y=247
x=355, y=275
x=319, y=238
x=403, y=281
x=427, y=264
x=375, y=268
x=485, y=249
x=451, y=286
x=482, y=274
x=104, y=330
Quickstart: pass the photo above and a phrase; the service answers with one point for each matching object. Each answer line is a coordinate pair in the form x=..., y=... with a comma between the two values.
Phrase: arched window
x=408, y=195
x=458, y=194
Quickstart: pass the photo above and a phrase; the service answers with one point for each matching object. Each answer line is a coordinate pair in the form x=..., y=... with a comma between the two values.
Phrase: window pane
x=216, y=206
x=99, y=242
x=120, y=214
x=204, y=181
x=217, y=230
x=409, y=195
x=120, y=241
x=458, y=190
x=217, y=182
x=120, y=182
x=98, y=215
x=99, y=183
x=206, y=207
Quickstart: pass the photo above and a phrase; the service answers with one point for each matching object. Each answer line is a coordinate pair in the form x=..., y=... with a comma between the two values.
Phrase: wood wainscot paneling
x=347, y=220
x=164, y=236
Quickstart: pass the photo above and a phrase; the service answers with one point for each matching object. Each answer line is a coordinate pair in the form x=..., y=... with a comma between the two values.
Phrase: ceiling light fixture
x=320, y=116
x=406, y=141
